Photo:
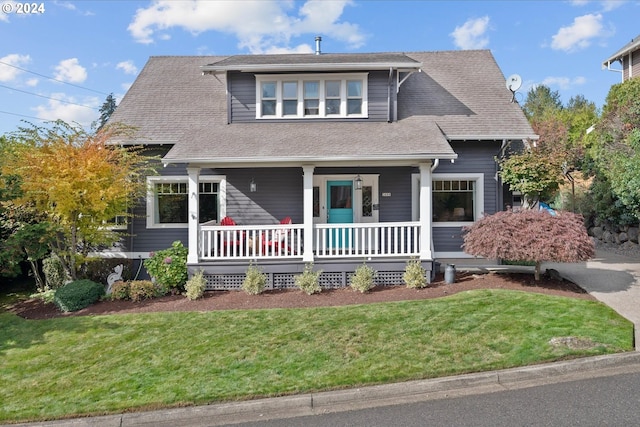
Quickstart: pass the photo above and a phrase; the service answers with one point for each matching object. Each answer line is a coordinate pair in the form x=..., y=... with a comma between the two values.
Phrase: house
x=629, y=58
x=375, y=157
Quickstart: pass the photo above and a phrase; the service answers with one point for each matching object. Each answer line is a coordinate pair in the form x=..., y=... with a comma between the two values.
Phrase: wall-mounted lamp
x=253, y=187
x=358, y=182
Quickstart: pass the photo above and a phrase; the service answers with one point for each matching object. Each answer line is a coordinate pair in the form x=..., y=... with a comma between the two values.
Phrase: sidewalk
x=612, y=279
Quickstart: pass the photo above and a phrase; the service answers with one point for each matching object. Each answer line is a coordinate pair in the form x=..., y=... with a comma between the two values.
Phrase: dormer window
x=311, y=96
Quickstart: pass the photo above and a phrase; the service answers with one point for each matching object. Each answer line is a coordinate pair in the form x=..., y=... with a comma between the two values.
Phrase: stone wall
x=614, y=234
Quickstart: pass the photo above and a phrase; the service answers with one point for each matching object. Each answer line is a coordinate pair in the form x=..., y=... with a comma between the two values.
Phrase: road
x=612, y=400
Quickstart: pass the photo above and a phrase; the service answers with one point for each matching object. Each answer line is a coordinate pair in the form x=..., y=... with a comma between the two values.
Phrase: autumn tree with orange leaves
x=80, y=181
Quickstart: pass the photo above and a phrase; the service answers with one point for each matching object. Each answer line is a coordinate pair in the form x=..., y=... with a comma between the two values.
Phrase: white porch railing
x=250, y=241
x=284, y=241
x=383, y=239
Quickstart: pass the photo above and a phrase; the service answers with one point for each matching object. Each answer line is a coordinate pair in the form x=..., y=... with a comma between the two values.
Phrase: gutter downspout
x=389, y=118
x=618, y=71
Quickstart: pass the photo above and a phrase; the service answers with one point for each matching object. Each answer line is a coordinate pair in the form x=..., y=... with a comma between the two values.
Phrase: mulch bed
x=293, y=298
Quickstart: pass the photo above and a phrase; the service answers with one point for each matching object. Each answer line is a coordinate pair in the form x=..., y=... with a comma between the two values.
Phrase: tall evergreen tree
x=107, y=109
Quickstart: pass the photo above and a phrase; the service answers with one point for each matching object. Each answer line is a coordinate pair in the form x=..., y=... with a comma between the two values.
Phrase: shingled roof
x=632, y=46
x=459, y=95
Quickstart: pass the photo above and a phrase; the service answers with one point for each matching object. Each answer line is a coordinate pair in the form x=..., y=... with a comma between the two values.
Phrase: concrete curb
x=359, y=398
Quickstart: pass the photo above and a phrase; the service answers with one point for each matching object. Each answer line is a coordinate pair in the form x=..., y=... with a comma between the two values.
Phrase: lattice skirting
x=328, y=280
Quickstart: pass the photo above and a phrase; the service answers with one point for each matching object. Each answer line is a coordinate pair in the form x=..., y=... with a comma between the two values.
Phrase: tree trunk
x=536, y=274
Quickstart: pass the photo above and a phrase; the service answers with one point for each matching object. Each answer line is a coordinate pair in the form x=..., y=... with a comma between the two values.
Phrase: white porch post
x=307, y=254
x=426, y=211
x=194, y=174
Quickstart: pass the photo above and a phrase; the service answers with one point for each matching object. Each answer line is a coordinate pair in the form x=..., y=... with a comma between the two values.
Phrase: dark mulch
x=227, y=300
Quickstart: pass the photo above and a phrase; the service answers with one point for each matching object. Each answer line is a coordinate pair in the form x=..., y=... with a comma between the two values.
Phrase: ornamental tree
x=80, y=182
x=530, y=235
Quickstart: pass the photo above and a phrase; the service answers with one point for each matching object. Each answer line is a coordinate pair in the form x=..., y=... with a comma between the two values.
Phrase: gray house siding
x=242, y=87
x=473, y=157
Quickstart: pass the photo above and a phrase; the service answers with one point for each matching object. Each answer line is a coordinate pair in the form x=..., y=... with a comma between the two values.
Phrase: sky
x=61, y=59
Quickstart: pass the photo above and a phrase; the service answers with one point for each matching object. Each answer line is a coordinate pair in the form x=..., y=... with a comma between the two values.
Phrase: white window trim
x=478, y=201
x=300, y=79
x=151, y=198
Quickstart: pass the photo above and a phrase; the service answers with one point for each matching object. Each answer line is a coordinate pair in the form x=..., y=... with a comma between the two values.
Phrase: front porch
x=281, y=251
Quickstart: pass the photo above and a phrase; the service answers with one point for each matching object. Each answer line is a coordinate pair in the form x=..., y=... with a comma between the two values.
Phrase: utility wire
x=23, y=115
x=52, y=78
x=48, y=97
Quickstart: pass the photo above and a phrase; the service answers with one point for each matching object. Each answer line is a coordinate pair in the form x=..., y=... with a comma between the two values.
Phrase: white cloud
x=579, y=34
x=259, y=25
x=9, y=73
x=472, y=34
x=55, y=109
x=564, y=83
x=607, y=5
x=70, y=70
x=32, y=82
x=128, y=67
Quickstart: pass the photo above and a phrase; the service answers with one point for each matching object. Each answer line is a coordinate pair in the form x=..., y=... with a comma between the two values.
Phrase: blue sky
x=62, y=61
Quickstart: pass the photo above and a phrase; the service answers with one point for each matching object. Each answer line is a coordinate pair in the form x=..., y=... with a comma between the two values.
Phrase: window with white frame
x=311, y=96
x=456, y=198
x=168, y=201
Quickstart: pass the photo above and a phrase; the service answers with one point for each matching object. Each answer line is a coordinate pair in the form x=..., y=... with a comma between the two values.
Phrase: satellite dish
x=514, y=82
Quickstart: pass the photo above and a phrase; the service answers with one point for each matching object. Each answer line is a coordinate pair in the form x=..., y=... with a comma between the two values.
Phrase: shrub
x=363, y=278
x=98, y=269
x=77, y=295
x=120, y=290
x=415, y=275
x=168, y=267
x=47, y=296
x=254, y=281
x=142, y=289
x=54, y=274
x=195, y=285
x=309, y=281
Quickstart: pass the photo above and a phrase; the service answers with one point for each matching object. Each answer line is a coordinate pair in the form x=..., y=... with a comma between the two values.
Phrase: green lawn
x=95, y=365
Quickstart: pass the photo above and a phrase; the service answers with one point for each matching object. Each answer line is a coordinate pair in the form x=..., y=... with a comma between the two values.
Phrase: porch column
x=426, y=211
x=193, y=220
x=307, y=202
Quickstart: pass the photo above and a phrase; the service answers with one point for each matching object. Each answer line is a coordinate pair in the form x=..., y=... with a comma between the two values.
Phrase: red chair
x=277, y=241
x=230, y=240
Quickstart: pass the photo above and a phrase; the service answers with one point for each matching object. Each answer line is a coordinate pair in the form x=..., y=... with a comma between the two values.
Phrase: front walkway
x=612, y=279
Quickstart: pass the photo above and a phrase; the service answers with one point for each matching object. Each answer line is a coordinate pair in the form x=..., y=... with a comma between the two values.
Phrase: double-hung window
x=311, y=96
x=168, y=201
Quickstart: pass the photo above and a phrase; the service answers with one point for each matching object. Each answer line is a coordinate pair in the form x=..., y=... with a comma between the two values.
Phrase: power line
x=52, y=78
x=23, y=115
x=48, y=97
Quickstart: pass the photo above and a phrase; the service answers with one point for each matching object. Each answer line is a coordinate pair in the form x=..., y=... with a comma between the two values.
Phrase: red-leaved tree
x=530, y=235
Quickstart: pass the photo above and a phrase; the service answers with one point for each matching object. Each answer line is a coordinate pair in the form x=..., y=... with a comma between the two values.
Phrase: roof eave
x=472, y=137
x=622, y=53
x=256, y=68
x=361, y=160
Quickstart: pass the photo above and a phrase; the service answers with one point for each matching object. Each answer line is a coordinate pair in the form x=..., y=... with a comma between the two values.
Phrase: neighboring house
x=377, y=157
x=629, y=58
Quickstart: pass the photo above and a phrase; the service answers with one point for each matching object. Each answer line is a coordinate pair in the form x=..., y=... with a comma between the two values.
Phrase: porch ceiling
x=413, y=139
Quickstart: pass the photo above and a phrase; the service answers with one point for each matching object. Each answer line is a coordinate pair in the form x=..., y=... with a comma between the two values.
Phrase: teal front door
x=340, y=211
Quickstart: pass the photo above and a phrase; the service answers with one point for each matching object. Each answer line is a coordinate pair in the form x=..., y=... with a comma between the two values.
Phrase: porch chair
x=277, y=243
x=230, y=240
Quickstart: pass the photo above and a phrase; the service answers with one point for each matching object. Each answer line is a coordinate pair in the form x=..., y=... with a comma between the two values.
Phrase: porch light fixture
x=358, y=182
x=253, y=187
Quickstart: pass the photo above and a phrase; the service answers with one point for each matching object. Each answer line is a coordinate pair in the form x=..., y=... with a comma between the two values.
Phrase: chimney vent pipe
x=318, y=40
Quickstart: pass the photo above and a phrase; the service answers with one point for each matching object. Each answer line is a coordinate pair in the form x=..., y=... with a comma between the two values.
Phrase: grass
x=94, y=365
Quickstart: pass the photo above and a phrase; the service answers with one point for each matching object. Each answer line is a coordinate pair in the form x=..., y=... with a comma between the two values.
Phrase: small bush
x=98, y=269
x=54, y=274
x=254, y=281
x=47, y=296
x=415, y=275
x=120, y=290
x=195, y=286
x=168, y=267
x=309, y=281
x=77, y=295
x=363, y=278
x=142, y=289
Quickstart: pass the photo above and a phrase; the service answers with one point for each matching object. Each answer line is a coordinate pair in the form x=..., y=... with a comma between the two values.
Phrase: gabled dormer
x=303, y=87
